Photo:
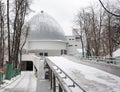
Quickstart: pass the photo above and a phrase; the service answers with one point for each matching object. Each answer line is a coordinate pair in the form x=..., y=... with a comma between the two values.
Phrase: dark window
x=72, y=39
x=70, y=45
x=45, y=54
x=75, y=45
x=27, y=66
x=41, y=54
x=77, y=38
x=62, y=52
x=65, y=52
x=69, y=39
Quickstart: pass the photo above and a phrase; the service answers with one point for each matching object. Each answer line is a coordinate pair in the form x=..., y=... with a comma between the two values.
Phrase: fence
x=115, y=61
x=63, y=86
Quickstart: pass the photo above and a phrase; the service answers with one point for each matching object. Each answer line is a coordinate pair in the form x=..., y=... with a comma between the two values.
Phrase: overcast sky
x=63, y=11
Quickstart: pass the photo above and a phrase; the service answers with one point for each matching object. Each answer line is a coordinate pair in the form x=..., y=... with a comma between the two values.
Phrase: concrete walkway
x=43, y=85
x=26, y=83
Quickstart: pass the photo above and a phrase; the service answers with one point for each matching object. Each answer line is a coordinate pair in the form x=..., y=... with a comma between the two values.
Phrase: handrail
x=68, y=77
x=62, y=83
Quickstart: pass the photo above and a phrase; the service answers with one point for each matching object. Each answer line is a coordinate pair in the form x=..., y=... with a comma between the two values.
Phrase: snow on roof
x=91, y=79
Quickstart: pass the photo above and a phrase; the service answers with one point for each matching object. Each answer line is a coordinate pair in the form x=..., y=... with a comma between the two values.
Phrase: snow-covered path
x=26, y=83
x=89, y=78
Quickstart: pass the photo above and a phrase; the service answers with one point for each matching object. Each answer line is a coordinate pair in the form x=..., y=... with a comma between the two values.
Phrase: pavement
x=25, y=83
x=43, y=85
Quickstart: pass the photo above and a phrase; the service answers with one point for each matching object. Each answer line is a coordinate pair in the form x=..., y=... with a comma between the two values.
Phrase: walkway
x=89, y=78
x=26, y=83
x=42, y=84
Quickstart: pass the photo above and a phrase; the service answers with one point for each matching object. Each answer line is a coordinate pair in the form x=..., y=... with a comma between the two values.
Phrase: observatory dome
x=43, y=27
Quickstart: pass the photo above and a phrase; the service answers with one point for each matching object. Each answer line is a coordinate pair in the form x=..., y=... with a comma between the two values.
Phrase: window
x=45, y=54
x=61, y=52
x=70, y=45
x=41, y=54
x=72, y=39
x=65, y=52
x=69, y=39
x=75, y=45
x=77, y=38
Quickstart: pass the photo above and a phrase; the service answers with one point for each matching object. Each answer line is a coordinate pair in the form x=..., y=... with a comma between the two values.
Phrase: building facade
x=46, y=37
x=74, y=43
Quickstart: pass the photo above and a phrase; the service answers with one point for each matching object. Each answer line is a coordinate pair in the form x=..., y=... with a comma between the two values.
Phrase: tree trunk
x=8, y=28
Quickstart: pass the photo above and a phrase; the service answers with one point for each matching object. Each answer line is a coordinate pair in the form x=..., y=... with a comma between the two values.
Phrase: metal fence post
x=54, y=83
x=60, y=89
x=50, y=79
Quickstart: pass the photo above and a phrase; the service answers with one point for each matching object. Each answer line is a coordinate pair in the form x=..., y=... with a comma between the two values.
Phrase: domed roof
x=43, y=27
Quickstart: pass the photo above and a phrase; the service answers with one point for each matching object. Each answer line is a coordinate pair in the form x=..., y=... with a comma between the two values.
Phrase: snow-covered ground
x=25, y=83
x=89, y=78
x=116, y=53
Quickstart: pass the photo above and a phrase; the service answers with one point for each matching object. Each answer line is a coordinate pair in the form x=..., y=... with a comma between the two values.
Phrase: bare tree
x=1, y=34
x=117, y=15
x=8, y=29
x=90, y=23
x=21, y=9
x=83, y=22
x=24, y=36
x=101, y=29
x=14, y=26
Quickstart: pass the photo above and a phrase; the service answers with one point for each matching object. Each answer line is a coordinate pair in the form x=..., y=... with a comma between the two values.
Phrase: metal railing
x=66, y=87
x=104, y=59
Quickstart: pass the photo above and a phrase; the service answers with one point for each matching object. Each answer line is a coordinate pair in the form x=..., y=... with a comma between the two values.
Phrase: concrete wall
x=50, y=52
x=46, y=45
x=35, y=59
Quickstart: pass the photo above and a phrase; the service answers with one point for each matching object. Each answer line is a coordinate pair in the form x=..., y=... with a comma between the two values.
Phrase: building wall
x=74, y=43
x=34, y=59
x=46, y=45
x=50, y=52
x=51, y=48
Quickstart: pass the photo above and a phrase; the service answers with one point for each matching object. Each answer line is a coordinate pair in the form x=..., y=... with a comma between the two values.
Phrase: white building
x=74, y=43
x=46, y=37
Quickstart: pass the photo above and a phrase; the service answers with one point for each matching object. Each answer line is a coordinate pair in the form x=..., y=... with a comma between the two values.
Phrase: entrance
x=27, y=66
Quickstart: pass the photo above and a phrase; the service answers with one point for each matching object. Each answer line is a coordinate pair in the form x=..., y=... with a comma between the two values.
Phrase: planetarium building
x=46, y=37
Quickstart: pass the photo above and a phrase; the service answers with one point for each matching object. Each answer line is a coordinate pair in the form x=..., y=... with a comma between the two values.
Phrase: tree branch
x=108, y=10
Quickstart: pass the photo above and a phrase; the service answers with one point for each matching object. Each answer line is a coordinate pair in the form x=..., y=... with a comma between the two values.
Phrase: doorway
x=27, y=66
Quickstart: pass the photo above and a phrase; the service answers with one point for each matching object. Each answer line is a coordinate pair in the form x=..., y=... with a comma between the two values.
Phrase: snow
x=116, y=53
x=25, y=83
x=8, y=82
x=80, y=50
x=89, y=78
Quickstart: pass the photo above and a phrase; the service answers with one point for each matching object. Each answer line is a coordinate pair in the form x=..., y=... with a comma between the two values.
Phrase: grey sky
x=62, y=10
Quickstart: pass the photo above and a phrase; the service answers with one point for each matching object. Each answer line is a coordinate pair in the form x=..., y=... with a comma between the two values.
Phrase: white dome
x=44, y=27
